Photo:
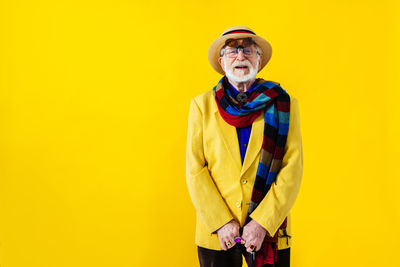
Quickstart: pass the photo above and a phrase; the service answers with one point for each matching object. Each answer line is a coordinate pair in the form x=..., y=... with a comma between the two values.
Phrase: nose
x=240, y=55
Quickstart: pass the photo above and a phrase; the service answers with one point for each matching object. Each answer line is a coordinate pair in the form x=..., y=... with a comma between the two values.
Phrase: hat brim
x=215, y=48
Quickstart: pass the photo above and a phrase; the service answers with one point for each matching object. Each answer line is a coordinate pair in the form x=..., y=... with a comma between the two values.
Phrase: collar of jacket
x=229, y=135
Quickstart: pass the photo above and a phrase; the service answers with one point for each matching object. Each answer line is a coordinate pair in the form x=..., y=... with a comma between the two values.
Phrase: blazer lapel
x=229, y=135
x=255, y=142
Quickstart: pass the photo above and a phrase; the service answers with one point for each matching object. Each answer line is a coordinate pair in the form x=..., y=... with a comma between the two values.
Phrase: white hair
x=246, y=78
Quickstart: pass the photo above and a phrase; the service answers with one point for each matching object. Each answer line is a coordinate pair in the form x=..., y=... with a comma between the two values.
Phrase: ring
x=237, y=239
x=252, y=247
x=229, y=244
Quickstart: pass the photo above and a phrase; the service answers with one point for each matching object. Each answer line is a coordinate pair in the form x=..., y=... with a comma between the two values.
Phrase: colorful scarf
x=275, y=101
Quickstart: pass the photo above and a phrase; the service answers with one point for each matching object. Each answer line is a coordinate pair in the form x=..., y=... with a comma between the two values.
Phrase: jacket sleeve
x=275, y=206
x=205, y=196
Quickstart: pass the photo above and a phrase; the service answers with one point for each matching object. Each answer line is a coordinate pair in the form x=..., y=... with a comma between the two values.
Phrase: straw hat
x=237, y=33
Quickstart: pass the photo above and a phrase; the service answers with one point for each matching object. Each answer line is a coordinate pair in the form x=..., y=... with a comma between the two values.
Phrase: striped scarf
x=275, y=101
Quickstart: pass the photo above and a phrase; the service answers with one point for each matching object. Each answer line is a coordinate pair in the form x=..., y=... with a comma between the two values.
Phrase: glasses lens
x=248, y=51
x=233, y=52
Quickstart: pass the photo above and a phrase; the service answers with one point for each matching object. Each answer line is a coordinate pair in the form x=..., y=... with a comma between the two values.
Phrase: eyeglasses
x=233, y=52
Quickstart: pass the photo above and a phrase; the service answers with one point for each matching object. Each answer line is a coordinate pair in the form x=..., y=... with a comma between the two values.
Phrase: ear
x=259, y=63
x=221, y=63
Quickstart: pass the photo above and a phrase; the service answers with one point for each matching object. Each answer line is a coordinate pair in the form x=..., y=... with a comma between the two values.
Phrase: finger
x=249, y=240
x=237, y=239
x=223, y=246
x=250, y=248
x=236, y=231
x=231, y=240
x=244, y=236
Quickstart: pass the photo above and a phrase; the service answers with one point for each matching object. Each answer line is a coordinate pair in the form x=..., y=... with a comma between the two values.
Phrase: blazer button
x=238, y=204
x=244, y=181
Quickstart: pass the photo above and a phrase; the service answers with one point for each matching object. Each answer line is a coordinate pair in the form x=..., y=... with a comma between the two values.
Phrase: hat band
x=238, y=31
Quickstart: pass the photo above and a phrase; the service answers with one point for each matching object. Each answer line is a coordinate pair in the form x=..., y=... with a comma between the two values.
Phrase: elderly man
x=244, y=158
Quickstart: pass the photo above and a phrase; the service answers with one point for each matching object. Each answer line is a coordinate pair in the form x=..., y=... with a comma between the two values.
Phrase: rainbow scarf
x=275, y=101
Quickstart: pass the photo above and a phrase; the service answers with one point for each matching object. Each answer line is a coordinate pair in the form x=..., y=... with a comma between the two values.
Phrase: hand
x=227, y=234
x=253, y=235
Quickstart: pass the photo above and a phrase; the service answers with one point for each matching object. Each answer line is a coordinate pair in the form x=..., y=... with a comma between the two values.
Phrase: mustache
x=242, y=63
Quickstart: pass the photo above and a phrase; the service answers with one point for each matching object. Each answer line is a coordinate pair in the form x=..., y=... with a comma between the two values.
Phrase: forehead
x=241, y=41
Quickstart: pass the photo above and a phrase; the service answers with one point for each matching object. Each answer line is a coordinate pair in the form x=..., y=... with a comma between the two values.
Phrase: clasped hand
x=252, y=237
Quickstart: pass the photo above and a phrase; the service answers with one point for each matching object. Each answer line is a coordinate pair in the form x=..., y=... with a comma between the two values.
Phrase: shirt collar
x=235, y=91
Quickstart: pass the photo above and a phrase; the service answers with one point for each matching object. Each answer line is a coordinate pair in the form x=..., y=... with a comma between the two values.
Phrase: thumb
x=236, y=231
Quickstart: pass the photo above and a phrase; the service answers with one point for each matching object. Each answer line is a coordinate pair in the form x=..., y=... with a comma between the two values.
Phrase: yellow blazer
x=220, y=187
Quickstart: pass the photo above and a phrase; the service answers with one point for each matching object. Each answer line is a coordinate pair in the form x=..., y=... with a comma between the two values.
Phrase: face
x=240, y=68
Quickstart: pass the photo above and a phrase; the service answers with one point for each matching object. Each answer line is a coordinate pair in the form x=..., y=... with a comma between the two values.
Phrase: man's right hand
x=227, y=234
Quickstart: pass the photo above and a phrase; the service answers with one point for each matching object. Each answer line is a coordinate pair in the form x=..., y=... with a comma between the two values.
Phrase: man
x=244, y=158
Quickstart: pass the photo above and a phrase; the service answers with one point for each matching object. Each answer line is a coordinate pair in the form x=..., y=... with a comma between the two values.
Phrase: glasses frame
x=237, y=49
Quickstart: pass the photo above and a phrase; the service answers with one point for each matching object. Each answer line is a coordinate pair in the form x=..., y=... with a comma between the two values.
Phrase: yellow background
x=94, y=98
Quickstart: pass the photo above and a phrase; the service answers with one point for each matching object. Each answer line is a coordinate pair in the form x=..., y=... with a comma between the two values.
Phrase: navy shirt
x=243, y=133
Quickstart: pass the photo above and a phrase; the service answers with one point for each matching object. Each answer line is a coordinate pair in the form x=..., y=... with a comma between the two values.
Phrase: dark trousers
x=233, y=257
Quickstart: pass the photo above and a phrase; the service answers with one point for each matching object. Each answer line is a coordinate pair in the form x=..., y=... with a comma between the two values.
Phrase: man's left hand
x=253, y=235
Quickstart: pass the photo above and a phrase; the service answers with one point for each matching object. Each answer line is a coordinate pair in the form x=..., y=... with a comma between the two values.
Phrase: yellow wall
x=94, y=97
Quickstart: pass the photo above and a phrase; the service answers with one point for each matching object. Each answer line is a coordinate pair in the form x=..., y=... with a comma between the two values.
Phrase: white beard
x=246, y=78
